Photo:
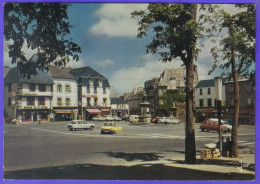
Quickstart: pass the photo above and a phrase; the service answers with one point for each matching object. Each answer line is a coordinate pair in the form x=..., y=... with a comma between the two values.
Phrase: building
x=93, y=92
x=28, y=100
x=170, y=81
x=119, y=107
x=134, y=99
x=65, y=94
x=247, y=100
x=205, y=99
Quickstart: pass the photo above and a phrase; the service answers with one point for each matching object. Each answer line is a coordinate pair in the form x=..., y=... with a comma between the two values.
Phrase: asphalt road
x=29, y=146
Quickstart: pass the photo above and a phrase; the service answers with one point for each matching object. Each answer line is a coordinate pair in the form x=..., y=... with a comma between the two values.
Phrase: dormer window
x=91, y=80
x=100, y=80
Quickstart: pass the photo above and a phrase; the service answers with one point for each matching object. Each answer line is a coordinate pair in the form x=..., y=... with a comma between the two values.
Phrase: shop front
x=65, y=114
x=33, y=115
x=91, y=113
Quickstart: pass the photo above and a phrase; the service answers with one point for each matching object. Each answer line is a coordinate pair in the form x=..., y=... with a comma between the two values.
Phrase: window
x=30, y=100
x=67, y=88
x=42, y=87
x=32, y=87
x=104, y=90
x=88, y=101
x=59, y=101
x=9, y=87
x=209, y=102
x=67, y=101
x=201, y=102
x=95, y=90
x=105, y=102
x=41, y=100
x=95, y=101
x=9, y=101
x=88, y=89
x=59, y=88
x=209, y=91
x=201, y=92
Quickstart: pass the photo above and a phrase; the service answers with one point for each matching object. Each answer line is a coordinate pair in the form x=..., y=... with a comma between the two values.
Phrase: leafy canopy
x=42, y=26
x=175, y=31
x=241, y=28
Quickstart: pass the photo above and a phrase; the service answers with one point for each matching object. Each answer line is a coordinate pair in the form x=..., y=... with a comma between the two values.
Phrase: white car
x=99, y=118
x=80, y=124
x=169, y=120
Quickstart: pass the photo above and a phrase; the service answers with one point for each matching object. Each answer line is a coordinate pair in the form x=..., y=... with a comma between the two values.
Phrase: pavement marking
x=136, y=136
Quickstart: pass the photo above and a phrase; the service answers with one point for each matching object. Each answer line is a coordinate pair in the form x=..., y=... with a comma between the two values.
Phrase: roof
x=42, y=77
x=117, y=101
x=206, y=83
x=84, y=73
x=57, y=72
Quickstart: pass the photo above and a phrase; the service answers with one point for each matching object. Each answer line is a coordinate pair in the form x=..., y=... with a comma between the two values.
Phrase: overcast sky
x=107, y=36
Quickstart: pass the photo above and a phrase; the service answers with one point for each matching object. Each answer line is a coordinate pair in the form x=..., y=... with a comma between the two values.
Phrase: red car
x=212, y=125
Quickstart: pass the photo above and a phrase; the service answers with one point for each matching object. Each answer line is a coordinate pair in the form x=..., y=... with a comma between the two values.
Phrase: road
x=28, y=146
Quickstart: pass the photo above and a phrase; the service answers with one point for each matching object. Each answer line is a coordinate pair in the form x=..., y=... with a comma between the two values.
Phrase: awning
x=94, y=111
x=65, y=111
x=105, y=110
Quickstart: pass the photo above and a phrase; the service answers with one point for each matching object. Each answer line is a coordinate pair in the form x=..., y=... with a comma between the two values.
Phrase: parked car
x=110, y=127
x=80, y=124
x=99, y=118
x=169, y=120
x=212, y=125
x=133, y=118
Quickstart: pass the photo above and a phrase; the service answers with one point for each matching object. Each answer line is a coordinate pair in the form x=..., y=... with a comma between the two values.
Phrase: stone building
x=247, y=100
x=134, y=99
x=172, y=79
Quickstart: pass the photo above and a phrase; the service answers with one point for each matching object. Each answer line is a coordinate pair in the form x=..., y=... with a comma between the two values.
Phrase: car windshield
x=108, y=124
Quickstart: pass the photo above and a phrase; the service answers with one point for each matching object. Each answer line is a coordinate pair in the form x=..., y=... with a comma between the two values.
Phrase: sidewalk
x=147, y=166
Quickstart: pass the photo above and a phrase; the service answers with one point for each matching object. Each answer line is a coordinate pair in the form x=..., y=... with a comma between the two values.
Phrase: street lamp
x=218, y=91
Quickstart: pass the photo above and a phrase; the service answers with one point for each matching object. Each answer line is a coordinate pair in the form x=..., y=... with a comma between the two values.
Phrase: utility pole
x=218, y=91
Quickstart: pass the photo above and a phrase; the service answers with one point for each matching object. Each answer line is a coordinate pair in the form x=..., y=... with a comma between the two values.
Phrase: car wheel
x=203, y=130
x=71, y=129
x=101, y=132
x=91, y=128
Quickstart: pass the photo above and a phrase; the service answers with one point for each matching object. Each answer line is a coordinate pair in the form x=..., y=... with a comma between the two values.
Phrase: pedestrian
x=39, y=121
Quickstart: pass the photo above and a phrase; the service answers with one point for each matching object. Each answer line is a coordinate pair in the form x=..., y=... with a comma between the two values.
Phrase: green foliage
x=171, y=97
x=241, y=36
x=43, y=26
x=175, y=31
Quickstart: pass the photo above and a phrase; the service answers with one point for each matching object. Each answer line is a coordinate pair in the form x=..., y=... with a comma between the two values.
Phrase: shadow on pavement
x=134, y=156
x=137, y=172
x=219, y=162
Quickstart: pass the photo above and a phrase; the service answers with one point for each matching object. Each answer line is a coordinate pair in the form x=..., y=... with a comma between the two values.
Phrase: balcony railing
x=34, y=93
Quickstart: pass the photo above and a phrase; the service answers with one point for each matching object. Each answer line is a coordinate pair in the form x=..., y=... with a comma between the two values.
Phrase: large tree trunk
x=190, y=148
x=234, y=151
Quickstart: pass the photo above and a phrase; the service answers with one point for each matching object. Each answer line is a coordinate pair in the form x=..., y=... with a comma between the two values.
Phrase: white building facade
x=93, y=92
x=65, y=94
x=205, y=99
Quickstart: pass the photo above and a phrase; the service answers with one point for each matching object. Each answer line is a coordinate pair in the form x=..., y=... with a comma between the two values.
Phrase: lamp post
x=218, y=91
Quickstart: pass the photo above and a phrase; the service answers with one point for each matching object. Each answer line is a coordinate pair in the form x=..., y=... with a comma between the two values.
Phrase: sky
x=106, y=34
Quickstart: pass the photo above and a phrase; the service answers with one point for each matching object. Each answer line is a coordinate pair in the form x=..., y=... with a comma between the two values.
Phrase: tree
x=176, y=33
x=238, y=52
x=44, y=27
